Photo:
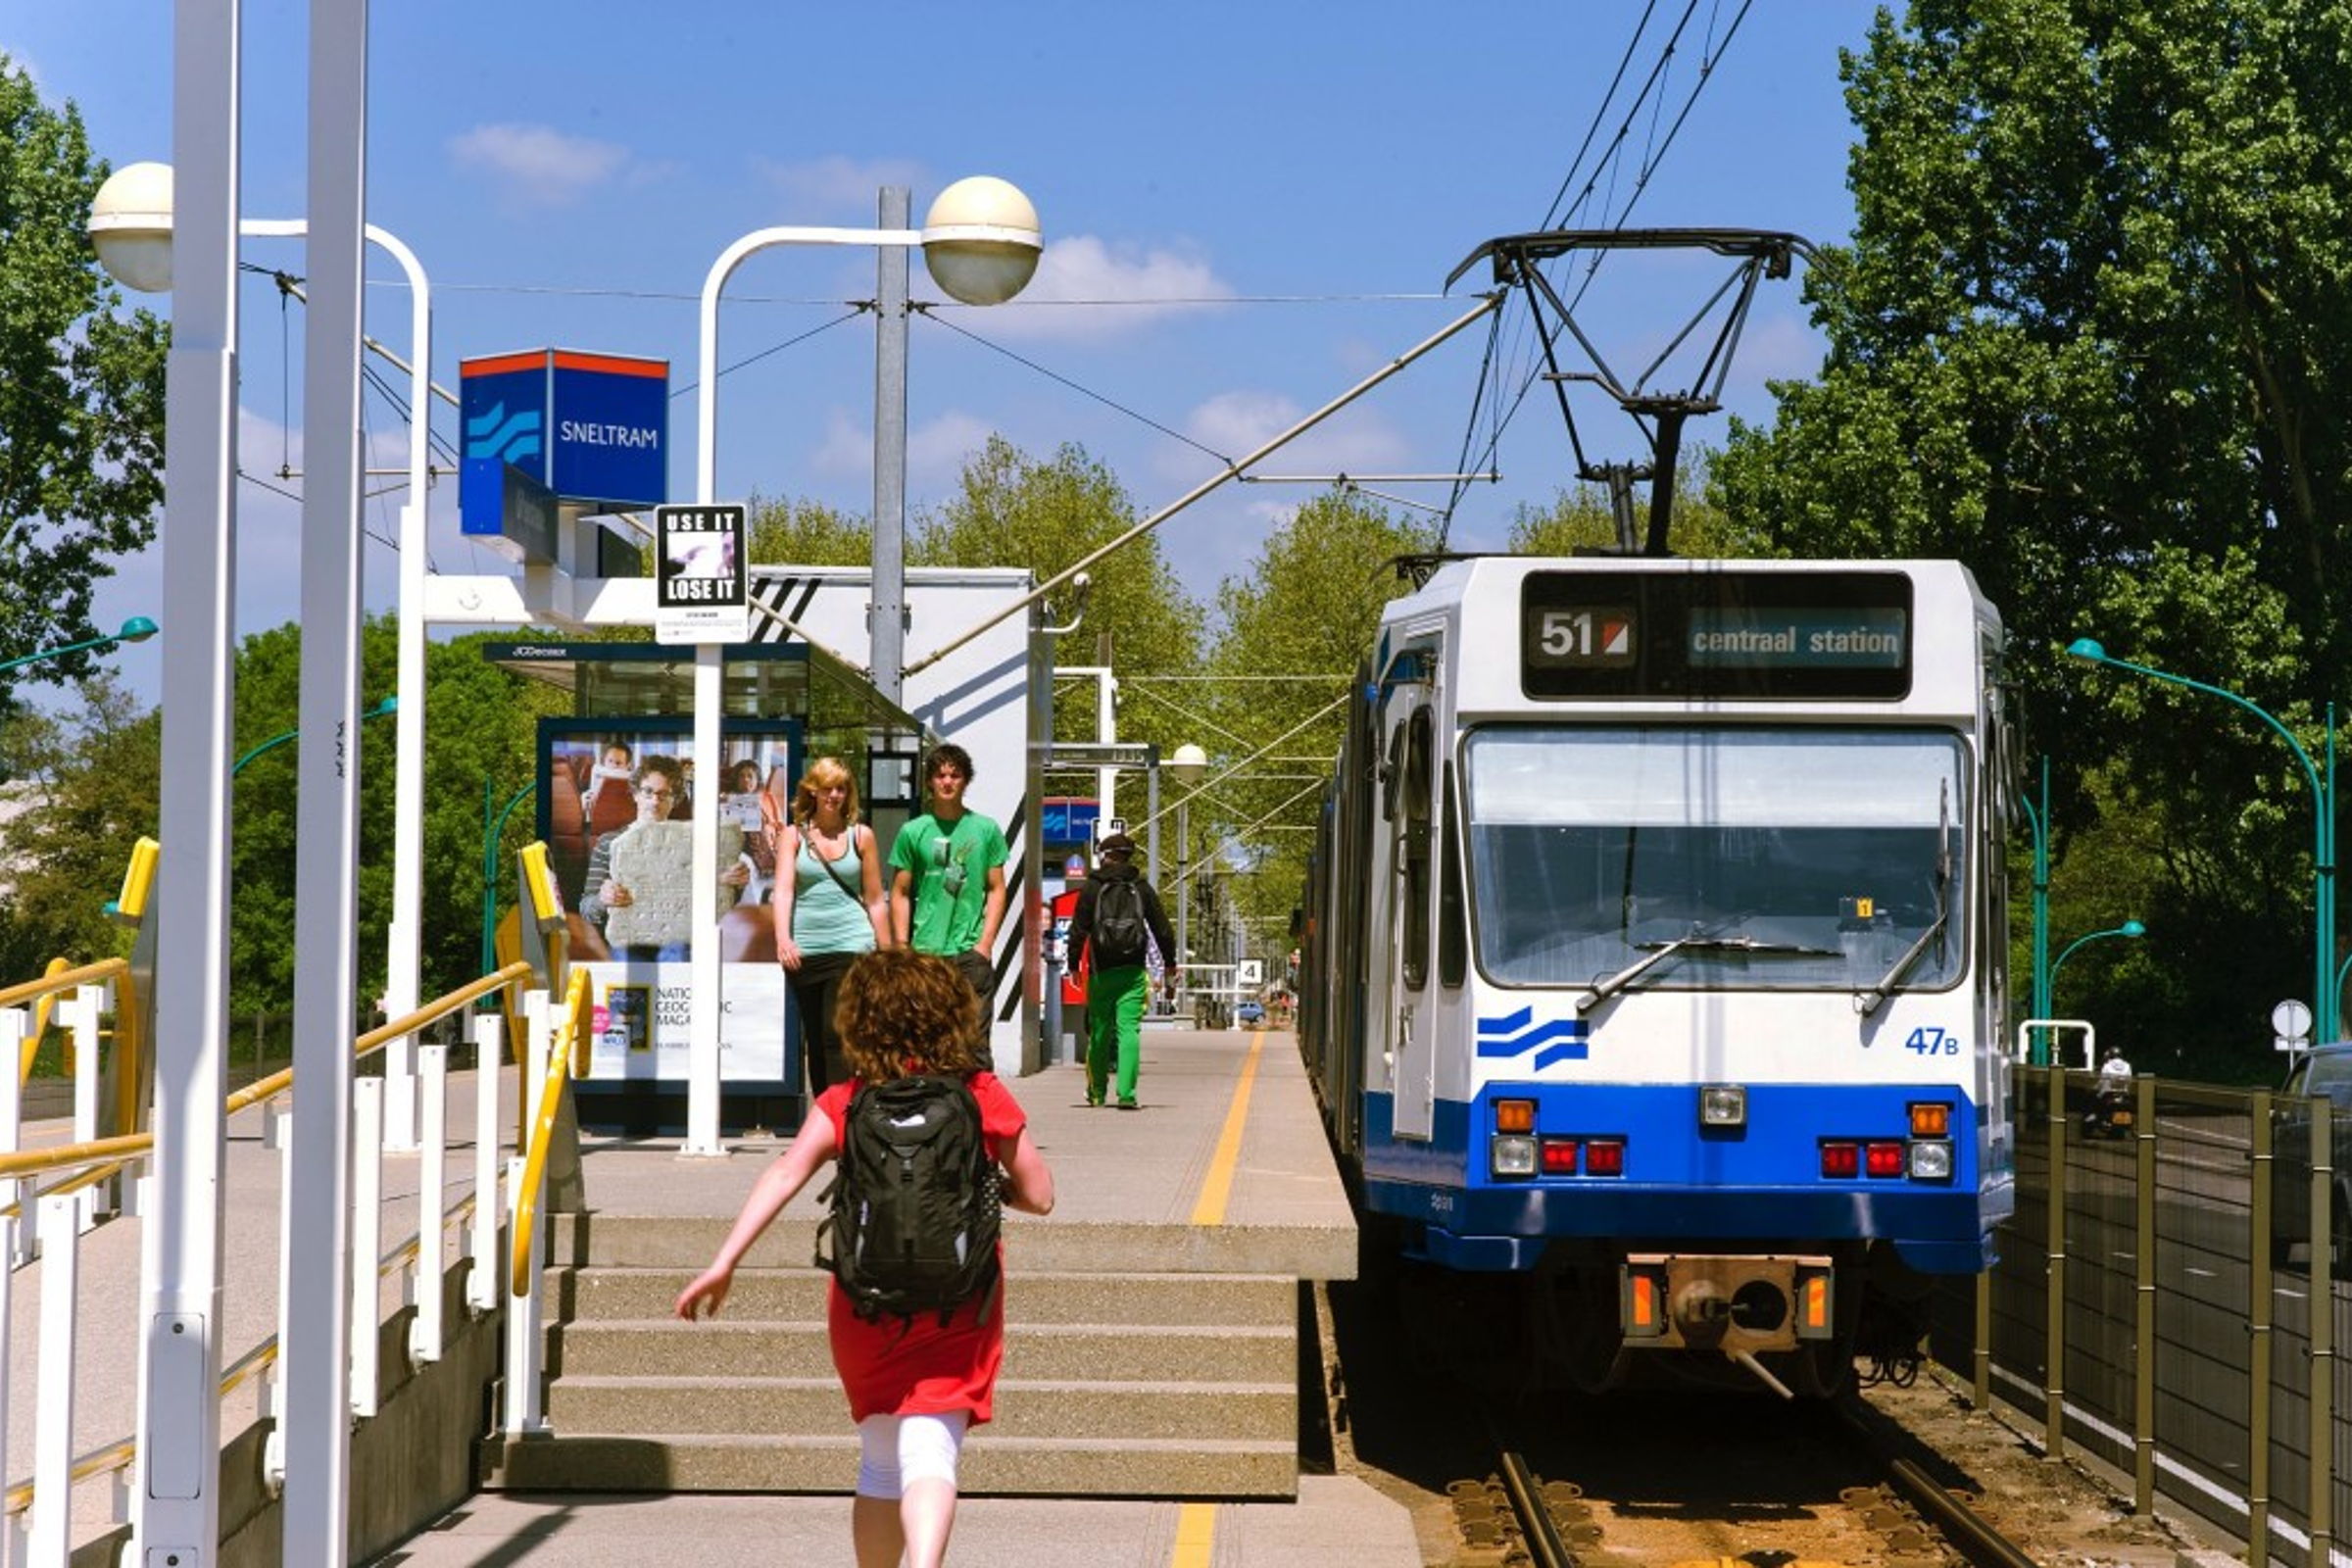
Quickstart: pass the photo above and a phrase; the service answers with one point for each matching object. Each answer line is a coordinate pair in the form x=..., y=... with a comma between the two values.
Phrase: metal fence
x=2164, y=1304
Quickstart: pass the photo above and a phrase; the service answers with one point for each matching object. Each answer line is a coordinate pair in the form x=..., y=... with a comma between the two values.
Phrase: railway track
x=1501, y=1476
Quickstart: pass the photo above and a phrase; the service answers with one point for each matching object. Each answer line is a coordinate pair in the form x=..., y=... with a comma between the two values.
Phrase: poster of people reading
x=617, y=803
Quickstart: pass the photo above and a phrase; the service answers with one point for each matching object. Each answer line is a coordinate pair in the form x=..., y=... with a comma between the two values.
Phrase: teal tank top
x=825, y=918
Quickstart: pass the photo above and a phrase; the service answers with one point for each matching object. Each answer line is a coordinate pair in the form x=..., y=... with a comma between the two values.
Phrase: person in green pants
x=1117, y=916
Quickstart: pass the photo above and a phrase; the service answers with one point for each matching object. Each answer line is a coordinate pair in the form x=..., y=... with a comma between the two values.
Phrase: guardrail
x=2150, y=1311
x=38, y=1508
x=555, y=1059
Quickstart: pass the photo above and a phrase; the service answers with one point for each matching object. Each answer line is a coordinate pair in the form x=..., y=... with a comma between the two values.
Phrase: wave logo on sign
x=1515, y=1034
x=502, y=436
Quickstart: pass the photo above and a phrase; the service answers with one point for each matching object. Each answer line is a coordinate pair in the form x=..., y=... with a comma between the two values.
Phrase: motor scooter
x=2110, y=1114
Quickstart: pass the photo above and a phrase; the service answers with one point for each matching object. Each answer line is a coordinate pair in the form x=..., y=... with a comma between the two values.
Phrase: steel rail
x=1536, y=1529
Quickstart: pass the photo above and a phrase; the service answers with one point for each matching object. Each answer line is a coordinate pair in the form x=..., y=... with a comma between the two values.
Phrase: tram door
x=1411, y=796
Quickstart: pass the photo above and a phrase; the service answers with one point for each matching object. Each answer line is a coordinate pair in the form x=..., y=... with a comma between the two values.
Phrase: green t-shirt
x=949, y=869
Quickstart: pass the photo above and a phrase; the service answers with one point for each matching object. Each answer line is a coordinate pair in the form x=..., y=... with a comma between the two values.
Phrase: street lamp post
x=2039, y=821
x=2130, y=928
x=2322, y=806
x=137, y=629
x=131, y=223
x=1189, y=763
x=390, y=705
x=980, y=242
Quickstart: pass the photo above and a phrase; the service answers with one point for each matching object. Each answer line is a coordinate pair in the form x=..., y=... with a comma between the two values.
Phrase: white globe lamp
x=130, y=223
x=981, y=240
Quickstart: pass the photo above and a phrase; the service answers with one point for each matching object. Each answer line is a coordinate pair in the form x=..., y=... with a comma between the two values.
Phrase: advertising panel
x=616, y=805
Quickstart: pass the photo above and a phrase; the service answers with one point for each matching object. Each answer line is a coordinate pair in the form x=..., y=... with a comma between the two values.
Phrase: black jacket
x=1082, y=919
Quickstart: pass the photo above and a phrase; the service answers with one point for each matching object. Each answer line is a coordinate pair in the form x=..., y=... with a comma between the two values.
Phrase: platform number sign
x=700, y=584
x=1583, y=635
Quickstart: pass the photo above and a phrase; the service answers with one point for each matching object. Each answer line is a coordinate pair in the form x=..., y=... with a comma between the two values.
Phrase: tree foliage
x=2093, y=337
x=1582, y=521
x=82, y=392
x=83, y=785
x=1047, y=514
x=787, y=531
x=1294, y=630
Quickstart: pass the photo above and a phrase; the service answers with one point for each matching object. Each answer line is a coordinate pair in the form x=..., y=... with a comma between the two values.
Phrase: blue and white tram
x=1655, y=948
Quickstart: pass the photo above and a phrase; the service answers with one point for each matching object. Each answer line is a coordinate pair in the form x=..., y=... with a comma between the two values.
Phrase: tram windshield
x=1732, y=858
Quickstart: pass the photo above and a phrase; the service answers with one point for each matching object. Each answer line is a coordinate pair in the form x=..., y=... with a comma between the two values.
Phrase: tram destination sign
x=1732, y=634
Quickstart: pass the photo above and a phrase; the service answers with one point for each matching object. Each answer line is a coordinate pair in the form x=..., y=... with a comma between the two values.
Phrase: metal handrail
x=129, y=1146
x=565, y=1060
x=61, y=975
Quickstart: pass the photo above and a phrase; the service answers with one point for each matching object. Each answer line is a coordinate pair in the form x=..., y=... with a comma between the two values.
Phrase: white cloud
x=1088, y=288
x=1356, y=440
x=936, y=450
x=538, y=165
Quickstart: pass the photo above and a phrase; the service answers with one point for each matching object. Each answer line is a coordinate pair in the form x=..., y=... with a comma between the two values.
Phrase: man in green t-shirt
x=946, y=886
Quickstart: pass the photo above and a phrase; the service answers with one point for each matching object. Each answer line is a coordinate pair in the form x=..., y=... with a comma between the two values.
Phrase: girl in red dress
x=913, y=1385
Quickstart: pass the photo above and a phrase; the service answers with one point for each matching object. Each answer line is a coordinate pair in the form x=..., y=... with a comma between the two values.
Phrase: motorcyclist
x=2111, y=1101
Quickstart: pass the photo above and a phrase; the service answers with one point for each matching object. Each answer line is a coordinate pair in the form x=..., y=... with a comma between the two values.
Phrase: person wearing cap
x=1116, y=984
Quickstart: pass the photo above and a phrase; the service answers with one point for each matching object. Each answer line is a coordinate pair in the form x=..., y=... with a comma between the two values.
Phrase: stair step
x=1044, y=1409
x=1111, y=1351
x=1031, y=1245
x=794, y=1294
x=992, y=1464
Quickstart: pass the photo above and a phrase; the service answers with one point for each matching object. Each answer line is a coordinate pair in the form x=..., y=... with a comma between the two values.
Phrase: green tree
x=84, y=788
x=1293, y=631
x=82, y=392
x=791, y=532
x=2093, y=337
x=1013, y=510
x=1581, y=519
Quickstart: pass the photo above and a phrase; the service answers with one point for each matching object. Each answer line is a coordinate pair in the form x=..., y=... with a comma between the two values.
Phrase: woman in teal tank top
x=828, y=906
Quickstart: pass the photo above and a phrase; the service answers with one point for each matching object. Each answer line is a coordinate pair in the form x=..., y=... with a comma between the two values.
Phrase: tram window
x=1454, y=931
x=1414, y=798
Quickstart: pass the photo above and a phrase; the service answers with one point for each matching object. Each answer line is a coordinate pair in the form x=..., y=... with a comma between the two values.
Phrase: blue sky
x=1248, y=207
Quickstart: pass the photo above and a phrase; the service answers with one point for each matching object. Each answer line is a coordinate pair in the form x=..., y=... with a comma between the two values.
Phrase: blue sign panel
x=502, y=408
x=593, y=428
x=610, y=441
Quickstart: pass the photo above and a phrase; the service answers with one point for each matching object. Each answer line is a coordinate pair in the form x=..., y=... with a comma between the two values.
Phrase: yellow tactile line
x=1197, y=1522
x=1210, y=1209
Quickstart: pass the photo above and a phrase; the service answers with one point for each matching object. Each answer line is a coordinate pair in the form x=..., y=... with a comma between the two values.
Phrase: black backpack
x=916, y=1209
x=1120, y=929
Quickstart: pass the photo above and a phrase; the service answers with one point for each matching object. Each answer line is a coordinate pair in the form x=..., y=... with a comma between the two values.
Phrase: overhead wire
x=1512, y=359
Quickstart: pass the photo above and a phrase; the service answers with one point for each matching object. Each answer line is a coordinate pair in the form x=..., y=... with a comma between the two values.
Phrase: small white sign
x=2291, y=1019
x=701, y=583
x=1250, y=972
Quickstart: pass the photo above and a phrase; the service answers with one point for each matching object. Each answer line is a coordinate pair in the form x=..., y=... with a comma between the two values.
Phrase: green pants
x=1115, y=1026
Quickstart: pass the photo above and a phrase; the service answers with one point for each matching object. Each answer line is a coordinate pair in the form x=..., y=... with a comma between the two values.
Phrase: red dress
x=921, y=1366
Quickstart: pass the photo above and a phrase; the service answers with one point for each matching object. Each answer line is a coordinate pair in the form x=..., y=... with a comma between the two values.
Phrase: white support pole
x=703, y=1012
x=432, y=1179
x=12, y=1039
x=278, y=1133
x=408, y=718
x=481, y=1271
x=180, y=1359
x=317, y=1350
x=53, y=1414
x=79, y=1014
x=367, y=1242
x=15, y=1026
x=525, y=1400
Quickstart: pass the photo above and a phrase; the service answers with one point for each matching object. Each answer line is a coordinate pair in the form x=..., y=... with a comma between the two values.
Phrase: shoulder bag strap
x=834, y=871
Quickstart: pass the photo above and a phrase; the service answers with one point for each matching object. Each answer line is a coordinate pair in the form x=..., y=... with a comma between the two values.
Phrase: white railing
x=49, y=1212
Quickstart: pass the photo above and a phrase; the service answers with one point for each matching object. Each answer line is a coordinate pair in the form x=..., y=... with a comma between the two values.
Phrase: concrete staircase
x=1141, y=1360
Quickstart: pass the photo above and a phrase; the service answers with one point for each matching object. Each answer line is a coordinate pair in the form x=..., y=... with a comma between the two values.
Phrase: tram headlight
x=1930, y=1160
x=1511, y=1155
x=1722, y=1106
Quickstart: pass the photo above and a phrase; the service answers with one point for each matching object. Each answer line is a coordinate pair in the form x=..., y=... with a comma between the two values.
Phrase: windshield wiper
x=1696, y=941
x=1868, y=1002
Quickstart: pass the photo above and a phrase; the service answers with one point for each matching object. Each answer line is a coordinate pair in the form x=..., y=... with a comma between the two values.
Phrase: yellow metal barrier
x=40, y=1022
x=567, y=1059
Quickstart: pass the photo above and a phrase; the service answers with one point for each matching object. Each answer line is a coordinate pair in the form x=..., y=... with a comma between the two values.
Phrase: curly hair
x=902, y=1011
x=825, y=773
